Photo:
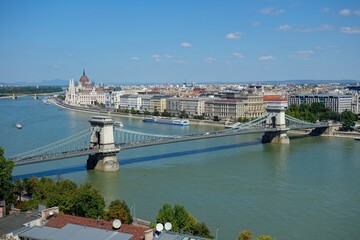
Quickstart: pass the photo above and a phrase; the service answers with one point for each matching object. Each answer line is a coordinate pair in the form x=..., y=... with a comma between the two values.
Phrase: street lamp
x=216, y=236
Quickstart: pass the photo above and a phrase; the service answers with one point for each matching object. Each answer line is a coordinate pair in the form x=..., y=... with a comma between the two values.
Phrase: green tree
x=182, y=221
x=19, y=188
x=30, y=185
x=88, y=202
x=348, y=119
x=183, y=114
x=245, y=235
x=165, y=214
x=146, y=112
x=6, y=167
x=119, y=210
x=264, y=237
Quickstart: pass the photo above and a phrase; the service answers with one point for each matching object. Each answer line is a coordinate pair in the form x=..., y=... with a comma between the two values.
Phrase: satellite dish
x=159, y=227
x=116, y=223
x=51, y=213
x=168, y=226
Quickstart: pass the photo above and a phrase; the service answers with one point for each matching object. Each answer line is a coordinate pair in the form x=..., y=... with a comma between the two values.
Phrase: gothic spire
x=84, y=72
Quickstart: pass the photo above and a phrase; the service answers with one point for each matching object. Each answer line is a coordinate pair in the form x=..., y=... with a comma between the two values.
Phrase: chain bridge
x=102, y=141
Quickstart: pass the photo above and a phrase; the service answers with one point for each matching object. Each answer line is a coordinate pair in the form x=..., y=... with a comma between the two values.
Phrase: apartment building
x=192, y=106
x=337, y=103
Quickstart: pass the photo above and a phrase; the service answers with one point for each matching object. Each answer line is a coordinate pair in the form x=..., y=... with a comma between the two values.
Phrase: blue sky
x=172, y=41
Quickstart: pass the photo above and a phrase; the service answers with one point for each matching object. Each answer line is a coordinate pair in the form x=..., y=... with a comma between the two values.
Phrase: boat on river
x=18, y=126
x=357, y=139
x=118, y=124
x=170, y=121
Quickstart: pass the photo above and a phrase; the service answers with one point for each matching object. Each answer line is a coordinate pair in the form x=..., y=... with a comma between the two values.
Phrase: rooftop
x=13, y=222
x=60, y=220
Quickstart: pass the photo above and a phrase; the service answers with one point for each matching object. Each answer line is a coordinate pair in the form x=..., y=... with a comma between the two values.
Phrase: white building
x=337, y=103
x=192, y=106
x=112, y=98
x=84, y=93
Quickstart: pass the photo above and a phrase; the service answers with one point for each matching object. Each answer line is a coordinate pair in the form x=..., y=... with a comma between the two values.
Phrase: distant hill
x=55, y=82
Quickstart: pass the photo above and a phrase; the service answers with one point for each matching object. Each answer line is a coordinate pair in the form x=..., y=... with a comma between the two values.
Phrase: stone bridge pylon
x=102, y=139
x=277, y=122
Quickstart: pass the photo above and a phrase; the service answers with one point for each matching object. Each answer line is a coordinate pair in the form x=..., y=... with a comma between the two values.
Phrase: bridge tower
x=102, y=138
x=276, y=121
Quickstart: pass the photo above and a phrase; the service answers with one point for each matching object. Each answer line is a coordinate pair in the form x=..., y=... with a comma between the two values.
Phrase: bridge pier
x=276, y=137
x=102, y=138
x=277, y=122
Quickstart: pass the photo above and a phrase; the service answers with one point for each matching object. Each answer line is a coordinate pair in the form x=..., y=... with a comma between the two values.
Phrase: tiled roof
x=60, y=220
x=274, y=98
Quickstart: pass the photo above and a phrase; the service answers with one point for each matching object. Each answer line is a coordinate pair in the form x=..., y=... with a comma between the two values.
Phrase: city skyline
x=145, y=42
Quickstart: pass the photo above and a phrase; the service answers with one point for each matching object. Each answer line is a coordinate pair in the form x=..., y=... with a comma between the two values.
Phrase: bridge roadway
x=158, y=141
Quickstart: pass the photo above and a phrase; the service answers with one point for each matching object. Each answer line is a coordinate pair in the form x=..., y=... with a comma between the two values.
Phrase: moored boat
x=173, y=121
x=357, y=139
x=18, y=126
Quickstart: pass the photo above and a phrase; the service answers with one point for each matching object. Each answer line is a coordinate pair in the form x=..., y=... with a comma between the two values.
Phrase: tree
x=119, y=210
x=165, y=214
x=88, y=202
x=182, y=221
x=245, y=235
x=264, y=237
x=348, y=119
x=6, y=167
x=183, y=114
x=19, y=188
x=30, y=185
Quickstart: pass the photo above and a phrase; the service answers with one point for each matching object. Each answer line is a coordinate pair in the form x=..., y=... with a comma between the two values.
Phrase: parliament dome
x=84, y=78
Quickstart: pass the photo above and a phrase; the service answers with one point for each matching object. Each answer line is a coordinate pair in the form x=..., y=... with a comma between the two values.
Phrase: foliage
x=348, y=119
x=88, y=202
x=146, y=112
x=29, y=89
x=245, y=235
x=264, y=237
x=243, y=119
x=312, y=113
x=183, y=114
x=82, y=201
x=156, y=113
x=166, y=114
x=6, y=167
x=182, y=221
x=119, y=210
x=200, y=117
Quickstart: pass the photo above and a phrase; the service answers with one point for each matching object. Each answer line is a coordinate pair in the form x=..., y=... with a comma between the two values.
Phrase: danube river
x=309, y=189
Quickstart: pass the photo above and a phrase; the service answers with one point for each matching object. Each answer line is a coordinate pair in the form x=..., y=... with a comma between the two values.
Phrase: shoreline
x=338, y=134
x=193, y=121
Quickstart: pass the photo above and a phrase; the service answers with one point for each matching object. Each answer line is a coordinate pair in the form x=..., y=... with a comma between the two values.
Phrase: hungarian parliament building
x=84, y=93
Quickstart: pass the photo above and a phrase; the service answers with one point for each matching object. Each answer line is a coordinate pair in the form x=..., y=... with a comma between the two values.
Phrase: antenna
x=159, y=227
x=116, y=224
x=168, y=226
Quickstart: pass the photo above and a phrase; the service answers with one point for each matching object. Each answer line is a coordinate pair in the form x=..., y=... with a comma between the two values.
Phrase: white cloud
x=326, y=27
x=135, y=58
x=185, y=45
x=156, y=57
x=345, y=12
x=238, y=55
x=350, y=30
x=305, y=54
x=209, y=59
x=284, y=27
x=234, y=35
x=357, y=12
x=325, y=9
x=168, y=56
x=266, y=58
x=272, y=11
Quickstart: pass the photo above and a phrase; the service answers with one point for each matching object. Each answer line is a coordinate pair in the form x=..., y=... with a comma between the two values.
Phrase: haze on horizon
x=178, y=41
